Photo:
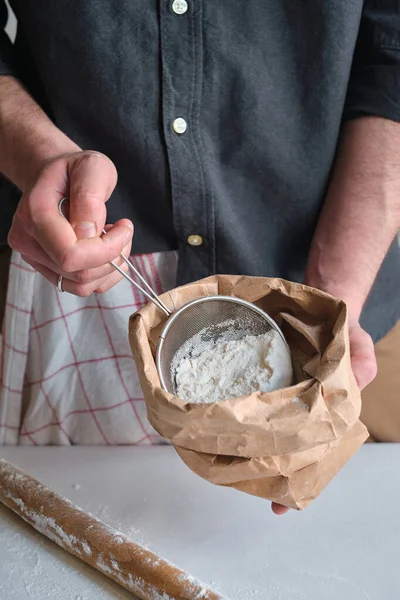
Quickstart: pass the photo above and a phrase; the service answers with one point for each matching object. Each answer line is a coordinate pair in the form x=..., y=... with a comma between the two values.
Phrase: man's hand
x=362, y=354
x=47, y=165
x=359, y=221
x=363, y=363
x=54, y=246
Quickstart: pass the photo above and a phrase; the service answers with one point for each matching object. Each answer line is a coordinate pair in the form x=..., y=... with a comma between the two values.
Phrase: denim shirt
x=221, y=116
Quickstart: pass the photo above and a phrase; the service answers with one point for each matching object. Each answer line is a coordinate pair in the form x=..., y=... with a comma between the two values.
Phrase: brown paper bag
x=284, y=445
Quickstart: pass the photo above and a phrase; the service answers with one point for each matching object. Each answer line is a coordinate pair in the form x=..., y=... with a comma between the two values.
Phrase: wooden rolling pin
x=112, y=553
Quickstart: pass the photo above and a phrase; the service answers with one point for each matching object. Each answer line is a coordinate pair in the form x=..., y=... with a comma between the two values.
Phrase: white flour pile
x=228, y=369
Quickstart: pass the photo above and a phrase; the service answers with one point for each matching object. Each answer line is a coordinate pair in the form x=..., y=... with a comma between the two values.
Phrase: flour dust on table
x=33, y=568
x=229, y=540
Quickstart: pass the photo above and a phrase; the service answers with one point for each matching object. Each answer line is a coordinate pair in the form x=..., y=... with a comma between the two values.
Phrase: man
x=255, y=137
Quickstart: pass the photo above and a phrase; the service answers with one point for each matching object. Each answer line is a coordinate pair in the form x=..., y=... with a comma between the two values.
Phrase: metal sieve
x=205, y=320
x=196, y=327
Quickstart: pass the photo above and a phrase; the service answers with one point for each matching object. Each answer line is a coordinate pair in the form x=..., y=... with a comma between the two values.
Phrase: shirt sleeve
x=7, y=59
x=374, y=86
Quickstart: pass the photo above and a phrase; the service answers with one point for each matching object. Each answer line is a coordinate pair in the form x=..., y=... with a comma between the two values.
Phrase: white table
x=344, y=546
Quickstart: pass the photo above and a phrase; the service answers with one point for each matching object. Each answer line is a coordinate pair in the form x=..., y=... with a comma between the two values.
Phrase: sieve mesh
x=199, y=324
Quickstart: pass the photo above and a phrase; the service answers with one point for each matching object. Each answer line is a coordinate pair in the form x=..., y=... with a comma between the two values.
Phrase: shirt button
x=179, y=7
x=195, y=240
x=179, y=125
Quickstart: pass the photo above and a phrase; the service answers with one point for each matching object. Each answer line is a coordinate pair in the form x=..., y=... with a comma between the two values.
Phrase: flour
x=137, y=585
x=228, y=369
x=299, y=403
x=32, y=568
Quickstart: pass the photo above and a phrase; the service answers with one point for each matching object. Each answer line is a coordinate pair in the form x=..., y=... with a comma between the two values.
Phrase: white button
x=179, y=125
x=195, y=240
x=179, y=7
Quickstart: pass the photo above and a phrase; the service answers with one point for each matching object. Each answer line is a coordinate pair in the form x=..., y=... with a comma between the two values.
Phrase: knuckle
x=120, y=262
x=81, y=192
x=125, y=269
x=109, y=283
x=84, y=276
x=102, y=289
x=112, y=254
x=114, y=247
x=28, y=215
x=127, y=249
x=13, y=241
x=17, y=241
x=83, y=291
x=66, y=263
x=105, y=287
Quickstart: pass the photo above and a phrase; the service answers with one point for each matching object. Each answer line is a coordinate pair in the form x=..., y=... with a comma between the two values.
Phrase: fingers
x=110, y=281
x=33, y=254
x=57, y=240
x=84, y=277
x=362, y=353
x=72, y=255
x=81, y=289
x=92, y=178
x=98, y=280
x=278, y=509
x=76, y=249
x=364, y=366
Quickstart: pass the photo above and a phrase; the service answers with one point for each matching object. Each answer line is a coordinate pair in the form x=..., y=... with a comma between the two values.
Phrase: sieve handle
x=149, y=293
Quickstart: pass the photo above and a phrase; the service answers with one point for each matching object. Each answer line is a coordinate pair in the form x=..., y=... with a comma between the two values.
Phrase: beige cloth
x=381, y=399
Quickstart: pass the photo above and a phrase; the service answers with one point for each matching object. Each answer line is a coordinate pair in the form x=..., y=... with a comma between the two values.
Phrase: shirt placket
x=182, y=70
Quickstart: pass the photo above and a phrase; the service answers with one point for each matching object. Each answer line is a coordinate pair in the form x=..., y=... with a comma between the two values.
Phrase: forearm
x=28, y=138
x=361, y=215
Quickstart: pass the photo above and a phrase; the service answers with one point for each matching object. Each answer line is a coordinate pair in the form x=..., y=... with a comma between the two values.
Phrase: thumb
x=92, y=179
x=362, y=354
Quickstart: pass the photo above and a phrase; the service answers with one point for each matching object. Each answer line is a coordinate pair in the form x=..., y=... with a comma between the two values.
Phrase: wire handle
x=150, y=294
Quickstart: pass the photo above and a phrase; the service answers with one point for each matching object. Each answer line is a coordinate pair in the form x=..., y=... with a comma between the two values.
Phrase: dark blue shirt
x=260, y=90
